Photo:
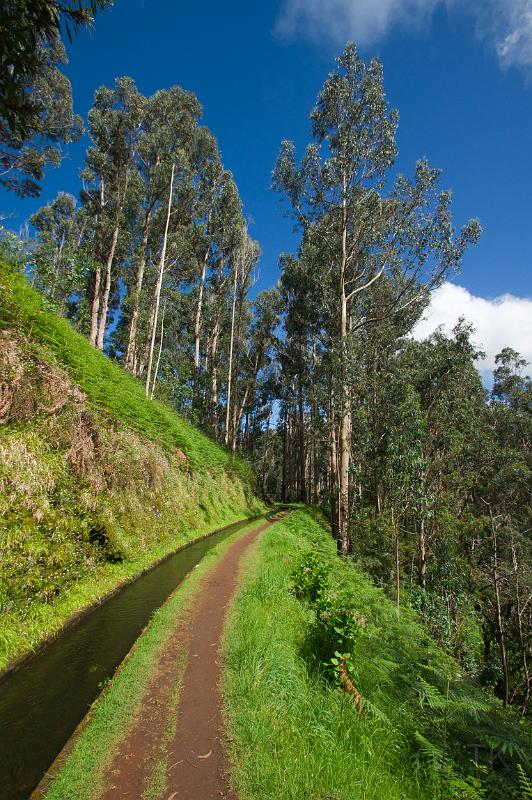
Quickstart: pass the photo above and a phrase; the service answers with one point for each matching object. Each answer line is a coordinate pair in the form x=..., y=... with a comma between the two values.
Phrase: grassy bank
x=422, y=731
x=114, y=713
x=96, y=482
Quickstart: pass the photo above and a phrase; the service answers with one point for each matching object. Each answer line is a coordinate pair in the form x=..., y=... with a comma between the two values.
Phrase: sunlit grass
x=295, y=734
x=292, y=736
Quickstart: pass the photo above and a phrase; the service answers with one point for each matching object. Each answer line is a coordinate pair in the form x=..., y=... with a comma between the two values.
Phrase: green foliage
x=28, y=149
x=336, y=626
x=25, y=27
x=310, y=578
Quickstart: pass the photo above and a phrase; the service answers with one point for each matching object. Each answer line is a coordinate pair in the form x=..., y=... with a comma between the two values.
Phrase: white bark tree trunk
x=197, y=325
x=230, y=366
x=95, y=306
x=158, y=286
x=159, y=355
x=107, y=290
x=132, y=339
x=344, y=437
x=214, y=378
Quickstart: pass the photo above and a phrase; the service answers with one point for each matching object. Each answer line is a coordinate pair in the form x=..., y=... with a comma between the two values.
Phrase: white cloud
x=364, y=21
x=512, y=32
x=505, y=24
x=505, y=321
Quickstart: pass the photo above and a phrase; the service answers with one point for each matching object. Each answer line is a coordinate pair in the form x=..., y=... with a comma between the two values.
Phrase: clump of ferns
x=336, y=629
x=444, y=718
x=445, y=713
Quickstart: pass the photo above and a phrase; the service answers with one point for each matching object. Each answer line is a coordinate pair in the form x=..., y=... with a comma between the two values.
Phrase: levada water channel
x=43, y=701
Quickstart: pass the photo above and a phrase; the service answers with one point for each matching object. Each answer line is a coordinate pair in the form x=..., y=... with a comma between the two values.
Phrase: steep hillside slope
x=96, y=482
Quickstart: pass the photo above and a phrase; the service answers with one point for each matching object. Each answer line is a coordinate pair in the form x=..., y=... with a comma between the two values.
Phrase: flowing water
x=42, y=702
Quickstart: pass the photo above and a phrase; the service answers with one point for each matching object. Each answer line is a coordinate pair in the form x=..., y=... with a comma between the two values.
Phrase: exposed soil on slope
x=196, y=758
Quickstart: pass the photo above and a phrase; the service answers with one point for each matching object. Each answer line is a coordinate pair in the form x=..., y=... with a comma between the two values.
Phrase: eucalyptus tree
x=59, y=261
x=218, y=223
x=405, y=466
x=110, y=170
x=301, y=298
x=171, y=237
x=168, y=125
x=362, y=229
x=504, y=556
x=258, y=353
x=216, y=316
x=243, y=263
x=511, y=386
x=27, y=150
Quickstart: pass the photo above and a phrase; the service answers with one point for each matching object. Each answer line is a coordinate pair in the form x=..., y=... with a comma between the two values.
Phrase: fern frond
x=525, y=785
x=374, y=711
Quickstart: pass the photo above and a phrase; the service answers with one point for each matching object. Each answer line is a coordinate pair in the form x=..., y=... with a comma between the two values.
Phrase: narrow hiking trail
x=181, y=715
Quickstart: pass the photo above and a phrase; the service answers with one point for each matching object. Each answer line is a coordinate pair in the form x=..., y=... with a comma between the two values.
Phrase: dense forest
x=423, y=473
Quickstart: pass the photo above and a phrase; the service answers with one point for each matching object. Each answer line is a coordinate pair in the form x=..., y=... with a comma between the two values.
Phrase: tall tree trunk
x=524, y=645
x=344, y=436
x=158, y=355
x=107, y=289
x=230, y=365
x=285, y=456
x=422, y=553
x=395, y=527
x=141, y=266
x=290, y=452
x=266, y=453
x=500, y=623
x=344, y=451
x=241, y=408
x=95, y=307
x=214, y=378
x=197, y=326
x=58, y=255
x=236, y=377
x=158, y=286
x=301, y=432
x=333, y=470
x=315, y=453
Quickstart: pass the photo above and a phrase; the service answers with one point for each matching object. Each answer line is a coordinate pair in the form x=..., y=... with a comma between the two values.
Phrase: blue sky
x=459, y=73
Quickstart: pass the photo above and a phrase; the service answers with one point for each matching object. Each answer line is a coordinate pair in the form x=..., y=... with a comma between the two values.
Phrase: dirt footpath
x=196, y=755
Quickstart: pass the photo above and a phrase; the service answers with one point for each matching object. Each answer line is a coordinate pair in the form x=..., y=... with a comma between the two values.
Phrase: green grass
x=114, y=713
x=295, y=734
